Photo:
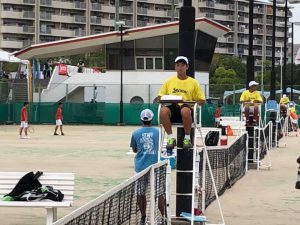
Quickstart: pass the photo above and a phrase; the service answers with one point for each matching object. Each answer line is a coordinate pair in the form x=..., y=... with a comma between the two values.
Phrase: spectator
x=80, y=66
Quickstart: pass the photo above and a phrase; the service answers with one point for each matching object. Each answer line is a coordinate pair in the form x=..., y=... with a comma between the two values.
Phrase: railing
x=28, y=29
x=96, y=6
x=29, y=14
x=46, y=2
x=80, y=5
x=29, y=1
x=79, y=19
x=45, y=16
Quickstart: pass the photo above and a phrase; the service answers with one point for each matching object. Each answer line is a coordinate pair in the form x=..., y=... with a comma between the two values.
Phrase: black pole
x=292, y=64
x=121, y=67
x=184, y=176
x=273, y=73
x=285, y=48
x=187, y=34
x=250, y=58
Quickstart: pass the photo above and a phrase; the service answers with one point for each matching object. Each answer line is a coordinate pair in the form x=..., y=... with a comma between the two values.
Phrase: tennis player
x=58, y=119
x=24, y=121
x=144, y=142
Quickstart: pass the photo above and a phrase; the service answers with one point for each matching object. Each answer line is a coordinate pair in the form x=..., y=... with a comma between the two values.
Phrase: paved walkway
x=266, y=197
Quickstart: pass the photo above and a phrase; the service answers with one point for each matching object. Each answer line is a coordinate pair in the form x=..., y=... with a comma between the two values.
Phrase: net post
x=152, y=195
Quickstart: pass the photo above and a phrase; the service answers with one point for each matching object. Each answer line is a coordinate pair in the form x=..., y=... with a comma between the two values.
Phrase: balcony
x=258, y=31
x=210, y=15
x=129, y=23
x=126, y=9
x=95, y=20
x=108, y=8
x=107, y=22
x=141, y=23
x=46, y=2
x=45, y=30
x=258, y=10
x=79, y=19
x=257, y=42
x=269, y=42
x=79, y=5
x=16, y=29
x=220, y=17
x=231, y=7
x=258, y=21
x=11, y=44
x=230, y=17
x=141, y=10
x=96, y=6
x=31, y=2
x=241, y=40
x=45, y=16
x=157, y=13
x=241, y=8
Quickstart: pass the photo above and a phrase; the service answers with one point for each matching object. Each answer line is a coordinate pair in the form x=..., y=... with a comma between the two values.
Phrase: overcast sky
x=296, y=17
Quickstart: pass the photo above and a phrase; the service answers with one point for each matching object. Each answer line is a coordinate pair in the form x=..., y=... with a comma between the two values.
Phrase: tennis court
x=97, y=156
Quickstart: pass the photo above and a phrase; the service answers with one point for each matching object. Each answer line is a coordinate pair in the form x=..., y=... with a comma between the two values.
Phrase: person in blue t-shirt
x=144, y=142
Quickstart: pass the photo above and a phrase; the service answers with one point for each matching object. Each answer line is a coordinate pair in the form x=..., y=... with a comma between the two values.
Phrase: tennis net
x=122, y=204
x=228, y=166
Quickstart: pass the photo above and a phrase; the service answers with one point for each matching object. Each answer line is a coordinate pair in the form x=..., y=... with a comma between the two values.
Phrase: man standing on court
x=144, y=142
x=190, y=90
x=251, y=99
x=58, y=119
x=24, y=121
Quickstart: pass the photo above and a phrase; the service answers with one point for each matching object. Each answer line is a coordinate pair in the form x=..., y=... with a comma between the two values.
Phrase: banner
x=63, y=69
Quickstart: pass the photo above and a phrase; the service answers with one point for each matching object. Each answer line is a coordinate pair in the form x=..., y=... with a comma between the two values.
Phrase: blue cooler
x=171, y=160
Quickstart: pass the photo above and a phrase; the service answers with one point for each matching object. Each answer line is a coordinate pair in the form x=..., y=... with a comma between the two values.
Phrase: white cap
x=147, y=115
x=284, y=95
x=251, y=83
x=182, y=59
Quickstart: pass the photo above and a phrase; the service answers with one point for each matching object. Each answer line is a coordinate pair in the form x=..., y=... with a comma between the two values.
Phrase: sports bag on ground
x=212, y=138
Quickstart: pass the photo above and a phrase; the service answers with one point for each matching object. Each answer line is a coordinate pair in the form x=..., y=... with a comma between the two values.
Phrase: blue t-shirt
x=145, y=141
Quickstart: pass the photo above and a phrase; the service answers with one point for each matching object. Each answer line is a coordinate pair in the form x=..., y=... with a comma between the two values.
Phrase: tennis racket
x=30, y=129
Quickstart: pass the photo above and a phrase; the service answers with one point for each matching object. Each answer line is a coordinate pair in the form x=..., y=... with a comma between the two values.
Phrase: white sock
x=170, y=136
x=187, y=136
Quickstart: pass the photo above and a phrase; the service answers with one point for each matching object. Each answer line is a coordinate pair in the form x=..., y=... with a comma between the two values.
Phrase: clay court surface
x=97, y=156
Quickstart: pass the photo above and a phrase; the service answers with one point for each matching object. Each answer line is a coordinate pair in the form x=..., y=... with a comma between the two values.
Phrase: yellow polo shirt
x=189, y=89
x=250, y=96
x=285, y=100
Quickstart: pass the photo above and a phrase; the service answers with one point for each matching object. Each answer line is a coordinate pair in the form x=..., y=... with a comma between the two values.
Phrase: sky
x=296, y=18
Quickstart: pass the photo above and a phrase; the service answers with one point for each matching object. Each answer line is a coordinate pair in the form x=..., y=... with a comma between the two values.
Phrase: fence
x=120, y=205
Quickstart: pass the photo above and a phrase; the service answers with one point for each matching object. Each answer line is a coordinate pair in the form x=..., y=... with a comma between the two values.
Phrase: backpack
x=44, y=192
x=212, y=138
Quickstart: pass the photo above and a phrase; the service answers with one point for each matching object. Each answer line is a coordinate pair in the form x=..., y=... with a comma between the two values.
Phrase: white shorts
x=217, y=119
x=24, y=124
x=58, y=122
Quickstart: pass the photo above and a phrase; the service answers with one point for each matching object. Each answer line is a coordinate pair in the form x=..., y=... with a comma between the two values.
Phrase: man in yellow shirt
x=190, y=90
x=251, y=99
x=284, y=101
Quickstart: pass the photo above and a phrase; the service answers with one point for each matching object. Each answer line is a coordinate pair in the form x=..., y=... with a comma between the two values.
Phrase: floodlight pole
x=283, y=90
x=273, y=72
x=292, y=64
x=250, y=58
x=121, y=123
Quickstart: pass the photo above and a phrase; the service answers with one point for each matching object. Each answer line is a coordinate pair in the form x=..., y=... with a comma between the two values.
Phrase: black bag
x=28, y=182
x=212, y=138
x=44, y=192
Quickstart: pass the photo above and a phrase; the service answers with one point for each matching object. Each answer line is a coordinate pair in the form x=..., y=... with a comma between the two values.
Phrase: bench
x=61, y=181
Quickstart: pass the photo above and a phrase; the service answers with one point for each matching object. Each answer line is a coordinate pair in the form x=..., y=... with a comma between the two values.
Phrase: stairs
x=20, y=90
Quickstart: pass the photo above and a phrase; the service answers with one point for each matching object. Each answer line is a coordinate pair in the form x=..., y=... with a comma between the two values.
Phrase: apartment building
x=26, y=22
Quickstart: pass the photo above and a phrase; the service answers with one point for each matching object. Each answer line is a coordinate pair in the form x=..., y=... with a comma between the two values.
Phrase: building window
x=149, y=63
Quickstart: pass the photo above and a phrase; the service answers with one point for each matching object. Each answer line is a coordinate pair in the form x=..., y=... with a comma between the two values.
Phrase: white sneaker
x=26, y=137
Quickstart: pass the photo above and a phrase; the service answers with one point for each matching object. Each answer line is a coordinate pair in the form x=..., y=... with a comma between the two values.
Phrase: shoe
x=62, y=133
x=55, y=133
x=171, y=143
x=187, y=143
x=26, y=137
